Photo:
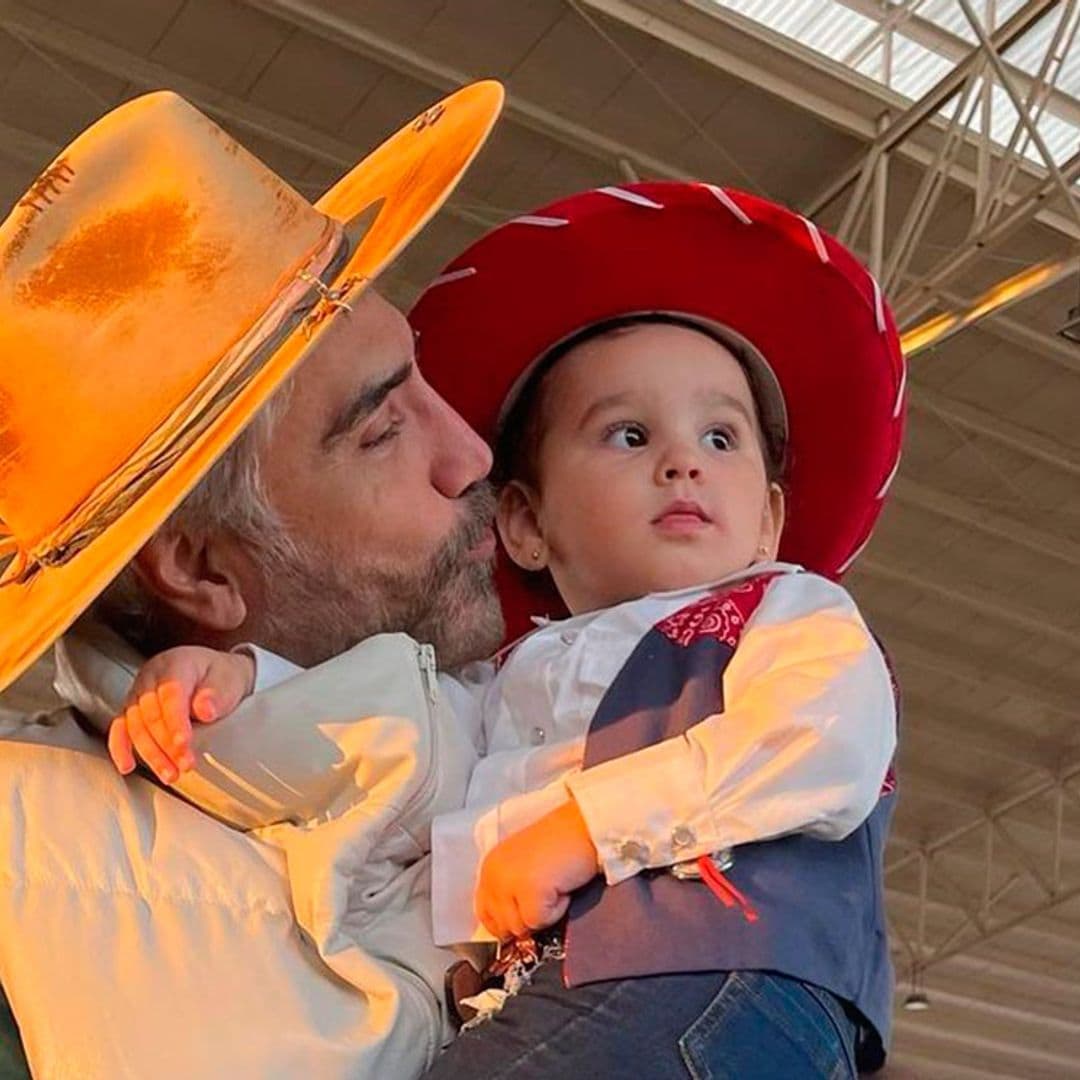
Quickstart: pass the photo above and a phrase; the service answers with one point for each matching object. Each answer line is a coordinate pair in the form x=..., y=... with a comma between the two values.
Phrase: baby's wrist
x=247, y=666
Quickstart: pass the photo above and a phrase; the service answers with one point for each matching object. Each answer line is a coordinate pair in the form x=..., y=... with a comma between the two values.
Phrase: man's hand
x=169, y=690
x=526, y=880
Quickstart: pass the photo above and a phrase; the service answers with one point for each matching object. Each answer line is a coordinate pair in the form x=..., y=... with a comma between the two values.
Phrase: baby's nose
x=673, y=472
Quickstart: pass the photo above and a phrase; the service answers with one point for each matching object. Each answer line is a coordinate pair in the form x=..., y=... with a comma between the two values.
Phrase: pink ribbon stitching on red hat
x=539, y=219
x=630, y=197
x=730, y=203
x=901, y=388
x=815, y=237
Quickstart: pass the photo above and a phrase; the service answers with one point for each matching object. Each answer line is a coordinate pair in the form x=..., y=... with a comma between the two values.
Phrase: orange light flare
x=1005, y=293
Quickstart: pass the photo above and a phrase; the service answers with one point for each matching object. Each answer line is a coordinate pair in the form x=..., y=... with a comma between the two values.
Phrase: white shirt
x=803, y=744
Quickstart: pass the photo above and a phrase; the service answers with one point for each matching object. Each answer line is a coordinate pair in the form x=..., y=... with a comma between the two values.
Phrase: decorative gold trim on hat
x=330, y=300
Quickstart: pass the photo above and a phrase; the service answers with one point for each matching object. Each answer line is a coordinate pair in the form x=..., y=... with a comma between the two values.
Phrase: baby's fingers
x=146, y=745
x=119, y=742
x=501, y=917
x=175, y=705
x=171, y=731
x=204, y=705
x=223, y=686
x=542, y=908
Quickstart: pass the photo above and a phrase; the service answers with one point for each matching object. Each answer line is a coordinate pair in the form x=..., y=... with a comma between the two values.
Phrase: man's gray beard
x=317, y=608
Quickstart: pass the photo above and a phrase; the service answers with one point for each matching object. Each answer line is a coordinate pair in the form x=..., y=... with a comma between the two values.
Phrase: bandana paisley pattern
x=721, y=615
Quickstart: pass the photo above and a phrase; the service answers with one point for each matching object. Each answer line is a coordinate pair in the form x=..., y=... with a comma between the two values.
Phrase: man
x=153, y=313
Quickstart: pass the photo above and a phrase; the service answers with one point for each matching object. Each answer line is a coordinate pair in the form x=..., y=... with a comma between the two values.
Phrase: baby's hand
x=168, y=691
x=526, y=880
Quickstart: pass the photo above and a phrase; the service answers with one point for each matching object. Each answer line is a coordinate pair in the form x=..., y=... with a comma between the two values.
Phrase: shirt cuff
x=459, y=842
x=270, y=669
x=645, y=811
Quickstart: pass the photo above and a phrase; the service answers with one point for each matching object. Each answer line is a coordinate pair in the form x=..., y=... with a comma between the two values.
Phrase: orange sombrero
x=150, y=285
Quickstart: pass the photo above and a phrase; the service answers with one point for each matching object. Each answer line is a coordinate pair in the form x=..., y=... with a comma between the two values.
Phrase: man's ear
x=201, y=580
x=519, y=526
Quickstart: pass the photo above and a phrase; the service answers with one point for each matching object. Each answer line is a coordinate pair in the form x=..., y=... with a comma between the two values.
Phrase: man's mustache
x=478, y=513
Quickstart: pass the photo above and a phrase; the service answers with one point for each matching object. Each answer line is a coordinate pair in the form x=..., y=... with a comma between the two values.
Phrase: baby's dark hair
x=517, y=445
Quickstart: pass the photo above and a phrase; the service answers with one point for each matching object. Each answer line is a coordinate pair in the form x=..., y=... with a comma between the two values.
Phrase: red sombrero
x=805, y=303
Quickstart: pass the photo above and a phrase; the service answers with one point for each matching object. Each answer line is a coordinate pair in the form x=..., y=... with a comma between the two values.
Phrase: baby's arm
x=179, y=685
x=803, y=744
x=169, y=691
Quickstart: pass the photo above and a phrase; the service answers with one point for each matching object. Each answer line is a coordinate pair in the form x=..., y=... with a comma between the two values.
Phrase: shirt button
x=568, y=637
x=537, y=736
x=682, y=836
x=632, y=851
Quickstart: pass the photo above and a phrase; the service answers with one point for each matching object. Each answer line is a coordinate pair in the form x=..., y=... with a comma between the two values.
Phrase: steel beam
x=935, y=98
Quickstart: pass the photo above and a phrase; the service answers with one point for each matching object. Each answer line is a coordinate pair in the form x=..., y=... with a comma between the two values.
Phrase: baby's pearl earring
x=536, y=556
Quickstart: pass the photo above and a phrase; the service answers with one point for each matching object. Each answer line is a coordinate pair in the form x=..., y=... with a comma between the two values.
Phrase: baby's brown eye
x=627, y=436
x=719, y=438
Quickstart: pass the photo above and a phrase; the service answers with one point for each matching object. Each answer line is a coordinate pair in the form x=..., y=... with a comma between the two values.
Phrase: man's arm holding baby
x=539, y=865
x=149, y=893
x=341, y=767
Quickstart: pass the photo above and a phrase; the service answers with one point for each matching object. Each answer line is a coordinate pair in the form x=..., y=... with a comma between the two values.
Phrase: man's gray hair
x=231, y=498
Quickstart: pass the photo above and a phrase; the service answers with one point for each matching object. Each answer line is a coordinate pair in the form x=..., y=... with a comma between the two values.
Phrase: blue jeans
x=737, y=1026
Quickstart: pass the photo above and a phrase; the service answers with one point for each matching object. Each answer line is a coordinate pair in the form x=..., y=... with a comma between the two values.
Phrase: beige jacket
x=292, y=937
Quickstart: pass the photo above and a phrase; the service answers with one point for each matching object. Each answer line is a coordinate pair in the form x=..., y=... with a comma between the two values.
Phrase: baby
x=700, y=697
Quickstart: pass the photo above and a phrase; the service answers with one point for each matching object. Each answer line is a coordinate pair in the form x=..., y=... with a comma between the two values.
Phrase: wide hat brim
x=392, y=193
x=799, y=297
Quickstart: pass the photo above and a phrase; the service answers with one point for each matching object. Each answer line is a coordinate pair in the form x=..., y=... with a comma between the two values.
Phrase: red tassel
x=723, y=890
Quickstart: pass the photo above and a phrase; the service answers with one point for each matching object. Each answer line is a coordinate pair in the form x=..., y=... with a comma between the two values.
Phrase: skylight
x=909, y=46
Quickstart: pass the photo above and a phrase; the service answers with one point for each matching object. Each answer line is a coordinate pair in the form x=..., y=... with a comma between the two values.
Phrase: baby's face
x=651, y=471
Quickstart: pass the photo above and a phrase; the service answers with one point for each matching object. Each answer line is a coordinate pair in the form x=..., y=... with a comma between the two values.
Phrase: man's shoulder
x=78, y=822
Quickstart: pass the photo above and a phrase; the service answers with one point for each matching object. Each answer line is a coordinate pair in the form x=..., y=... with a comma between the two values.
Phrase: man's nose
x=460, y=458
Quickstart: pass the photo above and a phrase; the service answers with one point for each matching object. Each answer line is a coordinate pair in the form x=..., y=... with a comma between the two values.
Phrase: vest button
x=537, y=736
x=568, y=637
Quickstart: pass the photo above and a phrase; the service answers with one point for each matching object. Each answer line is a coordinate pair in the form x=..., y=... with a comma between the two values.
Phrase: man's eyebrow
x=369, y=397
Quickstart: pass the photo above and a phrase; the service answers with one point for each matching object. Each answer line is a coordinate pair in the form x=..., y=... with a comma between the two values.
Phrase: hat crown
x=134, y=263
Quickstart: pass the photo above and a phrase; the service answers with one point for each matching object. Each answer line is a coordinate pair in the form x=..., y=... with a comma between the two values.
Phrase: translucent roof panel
x=910, y=46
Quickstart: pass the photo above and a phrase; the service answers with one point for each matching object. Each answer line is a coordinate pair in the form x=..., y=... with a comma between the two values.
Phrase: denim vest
x=820, y=904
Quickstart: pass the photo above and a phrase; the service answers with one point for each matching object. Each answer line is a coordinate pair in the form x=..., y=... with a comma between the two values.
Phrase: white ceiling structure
x=868, y=116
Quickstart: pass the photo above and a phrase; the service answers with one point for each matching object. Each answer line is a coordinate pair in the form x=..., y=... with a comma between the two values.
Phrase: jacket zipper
x=426, y=658
x=426, y=663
